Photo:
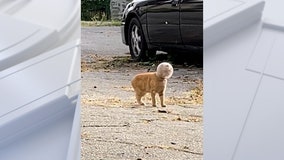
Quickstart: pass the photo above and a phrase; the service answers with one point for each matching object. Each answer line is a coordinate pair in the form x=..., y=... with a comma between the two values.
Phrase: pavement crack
x=147, y=120
x=153, y=146
x=111, y=125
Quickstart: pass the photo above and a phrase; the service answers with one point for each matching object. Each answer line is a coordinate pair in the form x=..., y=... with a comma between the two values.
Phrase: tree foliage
x=95, y=10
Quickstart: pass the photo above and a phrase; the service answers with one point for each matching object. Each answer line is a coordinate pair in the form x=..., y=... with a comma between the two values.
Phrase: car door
x=191, y=22
x=163, y=22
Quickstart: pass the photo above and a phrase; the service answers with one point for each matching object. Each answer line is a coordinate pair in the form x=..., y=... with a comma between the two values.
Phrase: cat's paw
x=164, y=106
x=154, y=105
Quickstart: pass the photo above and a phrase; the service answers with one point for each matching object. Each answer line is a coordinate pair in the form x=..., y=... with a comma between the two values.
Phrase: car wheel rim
x=136, y=40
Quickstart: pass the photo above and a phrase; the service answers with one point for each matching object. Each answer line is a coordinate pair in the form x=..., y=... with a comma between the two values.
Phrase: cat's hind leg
x=139, y=98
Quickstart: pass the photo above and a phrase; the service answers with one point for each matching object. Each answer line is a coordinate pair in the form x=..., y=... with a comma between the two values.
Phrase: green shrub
x=95, y=10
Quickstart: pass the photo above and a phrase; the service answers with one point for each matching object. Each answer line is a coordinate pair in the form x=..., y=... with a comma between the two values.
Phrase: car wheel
x=137, y=44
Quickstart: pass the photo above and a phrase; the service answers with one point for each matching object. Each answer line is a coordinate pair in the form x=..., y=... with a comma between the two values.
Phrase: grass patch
x=100, y=23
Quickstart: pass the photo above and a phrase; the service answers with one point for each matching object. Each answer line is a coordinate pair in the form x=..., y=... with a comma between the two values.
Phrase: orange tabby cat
x=152, y=82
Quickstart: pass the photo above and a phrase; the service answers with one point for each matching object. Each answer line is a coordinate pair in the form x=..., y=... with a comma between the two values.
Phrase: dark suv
x=166, y=25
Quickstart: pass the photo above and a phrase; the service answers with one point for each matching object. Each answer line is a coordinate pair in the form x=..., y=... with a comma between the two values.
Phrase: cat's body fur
x=152, y=82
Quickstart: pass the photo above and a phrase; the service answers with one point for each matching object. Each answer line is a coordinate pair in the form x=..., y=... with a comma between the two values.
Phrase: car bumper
x=123, y=33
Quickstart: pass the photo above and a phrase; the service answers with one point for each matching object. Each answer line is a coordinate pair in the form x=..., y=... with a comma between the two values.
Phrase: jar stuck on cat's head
x=164, y=70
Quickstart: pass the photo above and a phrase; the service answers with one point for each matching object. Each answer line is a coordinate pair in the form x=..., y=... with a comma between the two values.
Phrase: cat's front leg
x=162, y=97
x=153, y=93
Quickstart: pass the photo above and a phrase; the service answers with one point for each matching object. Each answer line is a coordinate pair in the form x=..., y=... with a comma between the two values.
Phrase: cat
x=152, y=82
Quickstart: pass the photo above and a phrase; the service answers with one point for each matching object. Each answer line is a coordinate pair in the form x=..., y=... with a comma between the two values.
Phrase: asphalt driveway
x=113, y=126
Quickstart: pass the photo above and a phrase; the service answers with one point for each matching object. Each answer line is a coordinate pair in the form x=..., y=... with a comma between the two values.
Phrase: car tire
x=137, y=43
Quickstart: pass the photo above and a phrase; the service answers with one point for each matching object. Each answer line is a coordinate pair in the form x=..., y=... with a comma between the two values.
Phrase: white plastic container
x=40, y=79
x=226, y=17
x=244, y=85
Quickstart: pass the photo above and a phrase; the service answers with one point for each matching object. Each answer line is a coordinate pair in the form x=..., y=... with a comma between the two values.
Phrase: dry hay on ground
x=193, y=97
x=93, y=62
